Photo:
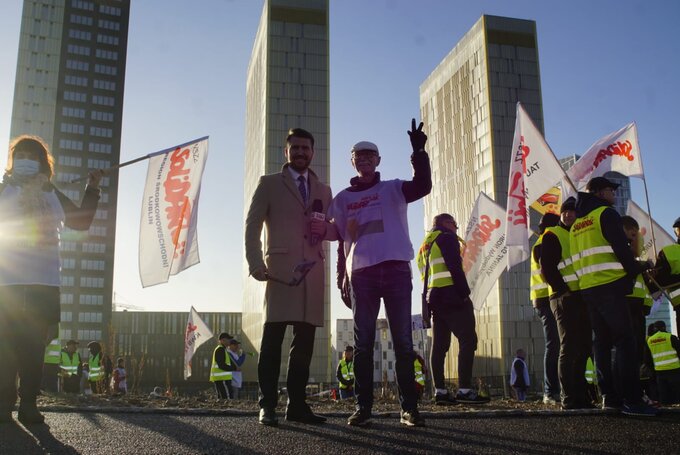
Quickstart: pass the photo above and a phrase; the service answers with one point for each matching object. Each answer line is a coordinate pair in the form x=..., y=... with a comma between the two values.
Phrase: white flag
x=485, y=254
x=533, y=171
x=662, y=237
x=168, y=236
x=618, y=151
x=195, y=335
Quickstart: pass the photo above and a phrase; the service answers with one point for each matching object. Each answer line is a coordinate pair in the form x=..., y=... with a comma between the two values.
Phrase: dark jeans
x=26, y=312
x=50, y=377
x=223, y=389
x=636, y=307
x=391, y=281
x=451, y=315
x=269, y=364
x=551, y=382
x=612, y=327
x=573, y=326
x=669, y=386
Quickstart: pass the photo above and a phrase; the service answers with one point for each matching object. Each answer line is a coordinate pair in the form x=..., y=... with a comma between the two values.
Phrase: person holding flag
x=667, y=271
x=606, y=270
x=33, y=214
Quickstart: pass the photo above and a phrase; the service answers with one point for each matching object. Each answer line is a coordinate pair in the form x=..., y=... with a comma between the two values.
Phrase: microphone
x=317, y=214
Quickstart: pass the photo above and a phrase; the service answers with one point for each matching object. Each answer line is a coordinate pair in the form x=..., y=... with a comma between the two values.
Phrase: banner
x=196, y=334
x=486, y=254
x=662, y=237
x=618, y=151
x=168, y=237
x=550, y=202
x=533, y=171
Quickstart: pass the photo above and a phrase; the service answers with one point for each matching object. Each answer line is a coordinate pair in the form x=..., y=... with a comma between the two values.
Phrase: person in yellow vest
x=420, y=371
x=50, y=375
x=667, y=271
x=71, y=368
x=449, y=306
x=569, y=309
x=591, y=381
x=345, y=373
x=541, y=301
x=96, y=369
x=664, y=349
x=639, y=301
x=222, y=366
x=606, y=270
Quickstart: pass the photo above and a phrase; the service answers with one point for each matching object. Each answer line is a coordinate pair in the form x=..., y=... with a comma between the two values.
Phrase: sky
x=603, y=64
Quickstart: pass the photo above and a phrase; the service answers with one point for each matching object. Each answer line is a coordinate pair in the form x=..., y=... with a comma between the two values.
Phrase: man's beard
x=296, y=167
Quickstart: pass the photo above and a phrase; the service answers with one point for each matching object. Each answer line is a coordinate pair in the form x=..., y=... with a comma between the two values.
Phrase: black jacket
x=221, y=360
x=612, y=230
x=550, y=257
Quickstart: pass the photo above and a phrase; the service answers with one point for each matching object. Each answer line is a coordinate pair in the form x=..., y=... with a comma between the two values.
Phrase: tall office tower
x=468, y=106
x=287, y=87
x=622, y=195
x=69, y=90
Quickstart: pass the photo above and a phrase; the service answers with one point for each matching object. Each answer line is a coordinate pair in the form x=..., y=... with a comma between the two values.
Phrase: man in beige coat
x=283, y=203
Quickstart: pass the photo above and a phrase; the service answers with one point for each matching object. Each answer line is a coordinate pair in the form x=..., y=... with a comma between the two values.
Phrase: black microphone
x=317, y=214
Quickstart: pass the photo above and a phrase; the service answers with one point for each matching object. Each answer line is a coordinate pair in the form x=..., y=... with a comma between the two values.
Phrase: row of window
x=75, y=80
x=87, y=247
x=74, y=195
x=98, y=164
x=66, y=160
x=102, y=116
x=78, y=50
x=72, y=112
x=84, y=299
x=80, y=4
x=106, y=69
x=79, y=34
x=74, y=128
x=87, y=36
x=91, y=282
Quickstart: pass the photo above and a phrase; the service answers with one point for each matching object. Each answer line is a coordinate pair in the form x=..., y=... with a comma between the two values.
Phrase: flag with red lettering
x=661, y=237
x=168, y=236
x=196, y=334
x=533, y=171
x=485, y=255
x=618, y=151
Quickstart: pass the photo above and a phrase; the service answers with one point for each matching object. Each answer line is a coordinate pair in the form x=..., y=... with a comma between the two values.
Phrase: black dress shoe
x=268, y=417
x=303, y=416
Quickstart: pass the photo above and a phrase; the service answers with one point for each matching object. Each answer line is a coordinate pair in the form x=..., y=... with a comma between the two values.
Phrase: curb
x=470, y=414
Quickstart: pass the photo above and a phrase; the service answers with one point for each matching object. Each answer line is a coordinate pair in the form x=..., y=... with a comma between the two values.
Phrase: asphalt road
x=115, y=433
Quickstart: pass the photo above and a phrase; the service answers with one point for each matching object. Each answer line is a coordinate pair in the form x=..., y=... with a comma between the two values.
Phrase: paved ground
x=167, y=432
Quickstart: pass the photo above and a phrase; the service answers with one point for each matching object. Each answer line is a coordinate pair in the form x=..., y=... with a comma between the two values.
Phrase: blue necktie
x=302, y=186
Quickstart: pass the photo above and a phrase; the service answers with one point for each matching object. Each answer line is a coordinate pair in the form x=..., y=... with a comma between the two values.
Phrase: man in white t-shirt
x=237, y=358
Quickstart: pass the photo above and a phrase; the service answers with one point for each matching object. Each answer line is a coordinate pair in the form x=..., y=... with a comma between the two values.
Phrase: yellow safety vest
x=672, y=253
x=53, y=352
x=640, y=291
x=347, y=372
x=538, y=287
x=96, y=372
x=216, y=373
x=565, y=266
x=69, y=365
x=593, y=258
x=418, y=370
x=664, y=355
x=439, y=275
x=591, y=375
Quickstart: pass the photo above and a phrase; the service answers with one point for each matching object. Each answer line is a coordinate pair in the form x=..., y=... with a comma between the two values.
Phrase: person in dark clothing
x=571, y=313
x=664, y=354
x=448, y=304
x=607, y=269
x=540, y=298
x=666, y=272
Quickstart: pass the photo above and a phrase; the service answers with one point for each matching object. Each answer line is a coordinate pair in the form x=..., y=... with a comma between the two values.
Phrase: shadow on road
x=15, y=438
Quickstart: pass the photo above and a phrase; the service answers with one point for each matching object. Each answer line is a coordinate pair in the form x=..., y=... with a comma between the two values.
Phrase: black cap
x=349, y=348
x=71, y=342
x=599, y=183
x=568, y=204
x=676, y=223
x=224, y=335
x=548, y=220
x=660, y=326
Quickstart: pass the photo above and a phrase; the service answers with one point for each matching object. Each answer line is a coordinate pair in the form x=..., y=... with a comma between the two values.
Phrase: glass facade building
x=468, y=106
x=69, y=90
x=287, y=87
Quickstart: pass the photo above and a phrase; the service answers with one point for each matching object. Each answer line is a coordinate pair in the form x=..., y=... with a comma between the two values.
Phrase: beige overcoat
x=277, y=205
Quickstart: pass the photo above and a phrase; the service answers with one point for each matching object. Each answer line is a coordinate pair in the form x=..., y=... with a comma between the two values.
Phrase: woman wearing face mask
x=32, y=215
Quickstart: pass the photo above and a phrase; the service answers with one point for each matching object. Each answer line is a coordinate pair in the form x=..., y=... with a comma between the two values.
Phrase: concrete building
x=383, y=352
x=152, y=344
x=69, y=90
x=468, y=106
x=287, y=87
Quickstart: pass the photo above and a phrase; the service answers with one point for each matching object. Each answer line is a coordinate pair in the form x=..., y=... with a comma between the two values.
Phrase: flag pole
x=141, y=158
x=644, y=183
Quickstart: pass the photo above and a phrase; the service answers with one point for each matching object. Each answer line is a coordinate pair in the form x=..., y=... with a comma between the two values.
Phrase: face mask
x=25, y=167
